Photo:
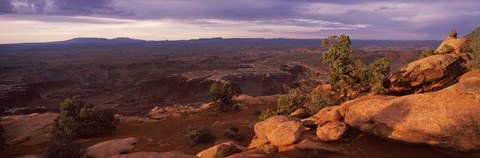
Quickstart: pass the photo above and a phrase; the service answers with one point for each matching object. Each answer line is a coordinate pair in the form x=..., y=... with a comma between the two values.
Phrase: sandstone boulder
x=453, y=41
x=27, y=129
x=446, y=118
x=330, y=125
x=299, y=113
x=111, y=147
x=428, y=74
x=223, y=149
x=278, y=130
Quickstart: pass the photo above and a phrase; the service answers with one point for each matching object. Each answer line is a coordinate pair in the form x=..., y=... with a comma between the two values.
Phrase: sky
x=55, y=20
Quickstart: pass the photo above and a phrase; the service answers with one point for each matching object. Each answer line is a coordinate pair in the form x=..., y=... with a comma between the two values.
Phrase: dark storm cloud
x=6, y=7
x=430, y=17
x=84, y=6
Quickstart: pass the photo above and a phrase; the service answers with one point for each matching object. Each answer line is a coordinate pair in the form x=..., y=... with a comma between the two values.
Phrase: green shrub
x=124, y=151
x=474, y=63
x=320, y=101
x=60, y=149
x=426, y=53
x=81, y=120
x=201, y=135
x=379, y=69
x=223, y=94
x=266, y=114
x=341, y=65
x=291, y=102
x=348, y=76
x=233, y=133
x=474, y=40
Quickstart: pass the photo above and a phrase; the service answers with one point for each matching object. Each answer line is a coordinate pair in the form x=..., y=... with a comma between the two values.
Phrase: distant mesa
x=90, y=40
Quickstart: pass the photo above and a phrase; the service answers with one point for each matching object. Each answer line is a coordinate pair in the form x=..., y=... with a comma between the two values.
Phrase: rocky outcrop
x=428, y=74
x=330, y=125
x=446, y=118
x=29, y=129
x=299, y=113
x=452, y=41
x=111, y=147
x=169, y=154
x=223, y=149
x=161, y=113
x=278, y=130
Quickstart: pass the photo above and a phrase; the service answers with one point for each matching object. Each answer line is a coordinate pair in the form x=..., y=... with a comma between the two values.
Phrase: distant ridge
x=87, y=40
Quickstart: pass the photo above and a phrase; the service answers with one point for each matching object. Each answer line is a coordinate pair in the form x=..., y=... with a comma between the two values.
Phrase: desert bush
x=223, y=94
x=124, y=151
x=379, y=69
x=446, y=49
x=233, y=133
x=266, y=114
x=61, y=149
x=474, y=63
x=426, y=53
x=320, y=101
x=201, y=135
x=340, y=62
x=81, y=120
x=291, y=102
x=348, y=76
x=474, y=40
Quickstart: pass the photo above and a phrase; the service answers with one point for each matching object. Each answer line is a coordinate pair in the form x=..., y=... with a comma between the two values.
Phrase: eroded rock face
x=330, y=125
x=428, y=74
x=223, y=149
x=299, y=113
x=111, y=147
x=453, y=41
x=446, y=118
x=27, y=129
x=278, y=130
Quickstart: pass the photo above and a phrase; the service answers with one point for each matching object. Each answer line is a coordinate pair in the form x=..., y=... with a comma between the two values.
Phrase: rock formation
x=446, y=118
x=330, y=125
x=452, y=41
x=27, y=129
x=428, y=74
x=223, y=149
x=278, y=130
x=111, y=147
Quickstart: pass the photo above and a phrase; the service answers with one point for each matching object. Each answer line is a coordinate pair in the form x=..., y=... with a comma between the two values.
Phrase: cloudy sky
x=54, y=20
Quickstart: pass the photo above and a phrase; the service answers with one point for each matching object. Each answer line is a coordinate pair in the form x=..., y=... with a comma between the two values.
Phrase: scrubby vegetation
x=426, y=53
x=348, y=78
x=81, y=120
x=201, y=135
x=78, y=119
x=474, y=46
x=60, y=149
x=318, y=101
x=266, y=114
x=291, y=102
x=233, y=133
x=223, y=94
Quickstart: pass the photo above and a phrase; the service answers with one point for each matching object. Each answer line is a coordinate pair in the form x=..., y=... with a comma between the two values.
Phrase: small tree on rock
x=223, y=93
